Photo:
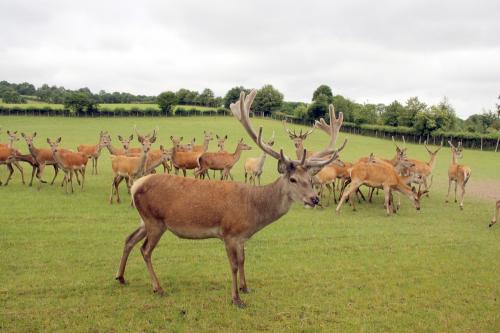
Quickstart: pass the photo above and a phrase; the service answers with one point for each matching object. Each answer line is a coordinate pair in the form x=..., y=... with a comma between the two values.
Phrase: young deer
x=495, y=215
x=380, y=174
x=94, y=151
x=457, y=173
x=254, y=166
x=70, y=162
x=130, y=167
x=230, y=211
x=42, y=157
x=220, y=161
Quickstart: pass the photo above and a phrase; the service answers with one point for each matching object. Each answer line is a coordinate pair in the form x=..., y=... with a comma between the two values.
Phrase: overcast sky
x=370, y=51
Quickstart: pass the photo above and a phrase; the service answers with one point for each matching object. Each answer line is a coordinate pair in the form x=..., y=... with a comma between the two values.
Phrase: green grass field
x=430, y=271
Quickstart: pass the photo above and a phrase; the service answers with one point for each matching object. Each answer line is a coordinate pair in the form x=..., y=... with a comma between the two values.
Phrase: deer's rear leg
x=130, y=242
x=152, y=239
x=232, y=255
x=495, y=215
x=11, y=171
x=241, y=268
x=20, y=168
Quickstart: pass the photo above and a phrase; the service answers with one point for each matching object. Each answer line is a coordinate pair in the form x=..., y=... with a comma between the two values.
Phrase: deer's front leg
x=232, y=255
x=241, y=267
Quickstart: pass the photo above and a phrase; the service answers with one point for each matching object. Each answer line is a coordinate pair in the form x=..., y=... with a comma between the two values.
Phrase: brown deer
x=156, y=158
x=457, y=173
x=230, y=211
x=180, y=147
x=423, y=170
x=298, y=139
x=94, y=151
x=70, y=162
x=378, y=173
x=207, y=137
x=13, y=138
x=221, y=142
x=183, y=157
x=254, y=166
x=43, y=157
x=130, y=167
x=27, y=158
x=495, y=215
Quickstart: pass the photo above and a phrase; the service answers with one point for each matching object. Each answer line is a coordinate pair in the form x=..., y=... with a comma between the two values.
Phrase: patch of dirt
x=487, y=190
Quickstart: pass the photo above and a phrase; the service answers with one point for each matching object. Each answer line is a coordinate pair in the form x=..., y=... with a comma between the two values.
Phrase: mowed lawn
x=313, y=270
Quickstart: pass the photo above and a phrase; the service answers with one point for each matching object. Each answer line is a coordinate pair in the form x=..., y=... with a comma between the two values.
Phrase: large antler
x=293, y=134
x=332, y=129
x=241, y=110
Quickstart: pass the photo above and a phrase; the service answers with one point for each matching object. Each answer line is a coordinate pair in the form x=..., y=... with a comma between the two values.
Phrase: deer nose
x=315, y=200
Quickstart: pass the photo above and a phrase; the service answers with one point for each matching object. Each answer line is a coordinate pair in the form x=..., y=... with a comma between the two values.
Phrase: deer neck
x=139, y=172
x=270, y=202
x=432, y=161
x=112, y=150
x=11, y=143
x=403, y=186
x=454, y=159
x=237, y=154
x=33, y=151
x=153, y=165
x=300, y=151
x=59, y=160
x=205, y=145
x=262, y=159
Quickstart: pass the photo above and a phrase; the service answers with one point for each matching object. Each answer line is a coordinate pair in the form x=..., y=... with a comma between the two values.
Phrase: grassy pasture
x=314, y=270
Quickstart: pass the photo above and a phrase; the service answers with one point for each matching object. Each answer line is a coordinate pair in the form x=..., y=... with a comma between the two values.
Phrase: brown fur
x=220, y=161
x=495, y=215
x=94, y=151
x=457, y=173
x=43, y=157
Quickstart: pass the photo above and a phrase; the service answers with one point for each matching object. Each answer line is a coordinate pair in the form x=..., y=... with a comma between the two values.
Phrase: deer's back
x=190, y=208
x=87, y=149
x=217, y=160
x=374, y=174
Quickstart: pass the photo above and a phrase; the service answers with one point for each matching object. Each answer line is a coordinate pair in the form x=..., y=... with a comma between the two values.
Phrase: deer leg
x=56, y=171
x=96, y=165
x=152, y=238
x=39, y=175
x=76, y=175
x=130, y=242
x=449, y=187
x=456, y=183
x=232, y=255
x=33, y=171
x=370, y=194
x=11, y=171
x=388, y=205
x=20, y=168
x=353, y=188
x=462, y=187
x=258, y=179
x=83, y=175
x=246, y=176
x=241, y=267
x=184, y=172
x=495, y=215
x=71, y=179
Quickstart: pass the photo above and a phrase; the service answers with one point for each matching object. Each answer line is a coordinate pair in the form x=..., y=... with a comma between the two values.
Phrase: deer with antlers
x=298, y=139
x=94, y=151
x=230, y=211
x=457, y=173
x=130, y=167
x=378, y=173
x=220, y=161
x=70, y=162
x=42, y=157
x=254, y=166
x=423, y=170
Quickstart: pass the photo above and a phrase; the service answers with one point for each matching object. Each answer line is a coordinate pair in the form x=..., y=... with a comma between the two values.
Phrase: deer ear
x=120, y=138
x=48, y=141
x=161, y=148
x=172, y=137
x=181, y=138
x=58, y=139
x=22, y=134
x=131, y=137
x=225, y=138
x=34, y=134
x=217, y=136
x=153, y=139
x=282, y=167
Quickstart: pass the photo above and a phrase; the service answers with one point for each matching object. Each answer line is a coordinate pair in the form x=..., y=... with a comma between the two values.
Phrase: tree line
x=412, y=115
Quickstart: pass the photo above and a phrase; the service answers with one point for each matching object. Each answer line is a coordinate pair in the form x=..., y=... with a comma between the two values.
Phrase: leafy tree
x=409, y=112
x=323, y=90
x=79, y=101
x=300, y=111
x=345, y=106
x=392, y=112
x=9, y=95
x=26, y=88
x=166, y=101
x=319, y=108
x=233, y=95
x=365, y=114
x=444, y=115
x=183, y=96
x=267, y=100
x=425, y=122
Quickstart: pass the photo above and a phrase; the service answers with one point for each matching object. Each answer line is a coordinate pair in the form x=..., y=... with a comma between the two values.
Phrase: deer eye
x=293, y=180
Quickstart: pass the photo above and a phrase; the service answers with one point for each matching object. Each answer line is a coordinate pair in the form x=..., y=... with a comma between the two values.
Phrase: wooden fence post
x=496, y=148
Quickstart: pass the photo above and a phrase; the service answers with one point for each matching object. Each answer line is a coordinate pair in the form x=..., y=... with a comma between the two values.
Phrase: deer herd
x=229, y=210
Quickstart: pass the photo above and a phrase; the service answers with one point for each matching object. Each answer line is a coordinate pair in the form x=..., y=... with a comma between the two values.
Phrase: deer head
x=146, y=141
x=126, y=142
x=29, y=139
x=298, y=139
x=54, y=145
x=207, y=136
x=433, y=153
x=296, y=174
x=243, y=146
x=458, y=150
x=221, y=141
x=400, y=152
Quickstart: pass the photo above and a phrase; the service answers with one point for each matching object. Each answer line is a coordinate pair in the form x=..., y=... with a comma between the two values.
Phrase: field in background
x=434, y=270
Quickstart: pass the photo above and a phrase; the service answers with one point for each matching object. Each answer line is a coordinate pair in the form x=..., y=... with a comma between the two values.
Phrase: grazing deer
x=94, y=151
x=298, y=139
x=13, y=138
x=495, y=215
x=378, y=173
x=327, y=177
x=457, y=173
x=130, y=167
x=43, y=157
x=423, y=170
x=220, y=161
x=70, y=162
x=230, y=211
x=254, y=166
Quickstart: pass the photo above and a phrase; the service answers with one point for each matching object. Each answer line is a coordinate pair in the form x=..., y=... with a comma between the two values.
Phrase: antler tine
x=332, y=130
x=317, y=161
x=451, y=144
x=303, y=160
x=404, y=141
x=241, y=110
x=425, y=145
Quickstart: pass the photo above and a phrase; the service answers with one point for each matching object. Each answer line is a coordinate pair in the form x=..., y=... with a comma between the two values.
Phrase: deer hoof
x=159, y=292
x=244, y=290
x=120, y=279
x=239, y=303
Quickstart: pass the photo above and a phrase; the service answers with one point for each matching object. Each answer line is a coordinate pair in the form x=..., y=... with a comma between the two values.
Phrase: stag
x=457, y=173
x=230, y=211
x=423, y=170
x=298, y=139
